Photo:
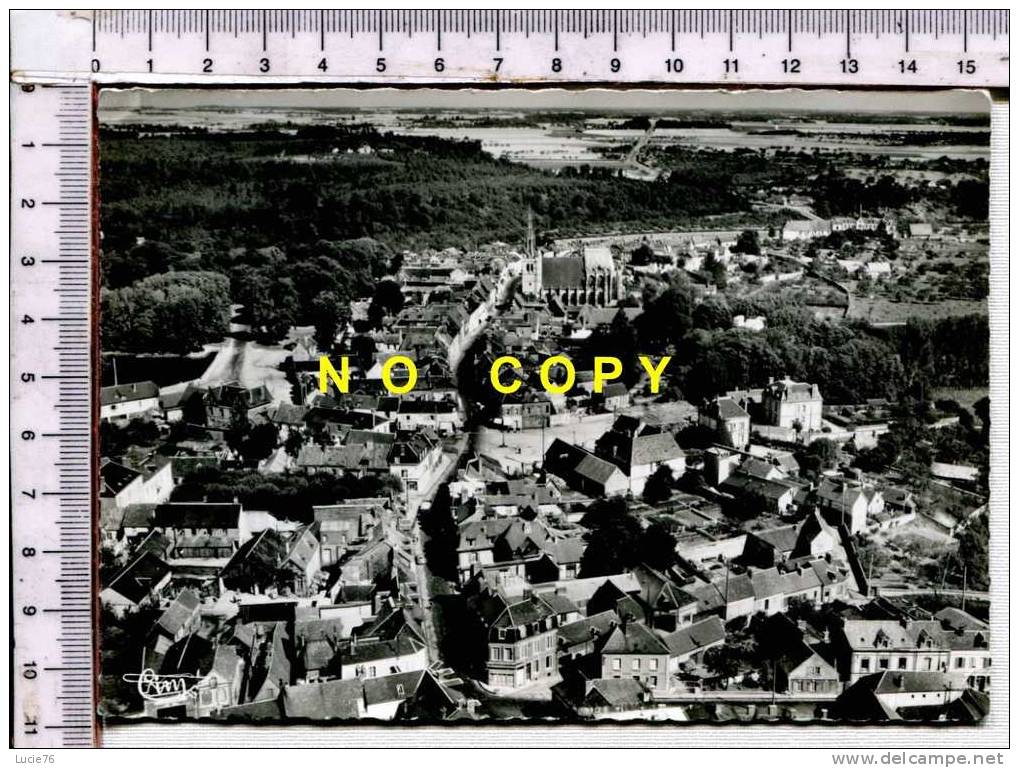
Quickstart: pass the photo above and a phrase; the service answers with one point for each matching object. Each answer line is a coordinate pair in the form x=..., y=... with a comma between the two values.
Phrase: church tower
x=530, y=280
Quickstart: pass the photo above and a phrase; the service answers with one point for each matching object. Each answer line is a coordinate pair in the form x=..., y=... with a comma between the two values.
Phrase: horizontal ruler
x=51, y=376
x=745, y=47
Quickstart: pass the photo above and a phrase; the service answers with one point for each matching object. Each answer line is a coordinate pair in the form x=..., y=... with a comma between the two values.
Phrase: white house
x=123, y=402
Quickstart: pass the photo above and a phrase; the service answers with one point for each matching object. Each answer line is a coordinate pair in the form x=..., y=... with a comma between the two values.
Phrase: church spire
x=530, y=232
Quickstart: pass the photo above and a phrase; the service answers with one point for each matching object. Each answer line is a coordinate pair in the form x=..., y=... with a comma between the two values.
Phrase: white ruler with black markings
x=683, y=47
x=58, y=56
x=51, y=415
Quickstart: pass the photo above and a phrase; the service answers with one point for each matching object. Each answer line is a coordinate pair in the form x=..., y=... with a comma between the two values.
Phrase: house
x=352, y=604
x=585, y=472
x=729, y=595
x=614, y=396
x=393, y=621
x=670, y=604
x=221, y=687
x=274, y=561
x=416, y=459
x=377, y=658
x=189, y=660
x=920, y=230
x=346, y=522
x=316, y=648
x=174, y=399
x=802, y=669
x=139, y=583
x=792, y=405
x=226, y=403
x=327, y=700
x=759, y=494
x=807, y=229
x=443, y=416
x=476, y=544
x=867, y=646
x=811, y=537
x=525, y=409
x=179, y=619
x=269, y=671
x=367, y=563
x=848, y=503
x=639, y=450
x=520, y=632
x=384, y=697
x=580, y=638
x=122, y=402
x=199, y=529
x=605, y=699
x=632, y=650
x=728, y=420
x=124, y=485
x=688, y=643
x=895, y=695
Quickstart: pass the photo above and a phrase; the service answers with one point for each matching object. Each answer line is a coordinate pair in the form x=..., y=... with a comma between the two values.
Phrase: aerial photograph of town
x=561, y=407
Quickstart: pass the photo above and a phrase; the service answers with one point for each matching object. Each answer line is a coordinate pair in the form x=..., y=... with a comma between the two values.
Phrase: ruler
x=704, y=47
x=58, y=56
x=51, y=415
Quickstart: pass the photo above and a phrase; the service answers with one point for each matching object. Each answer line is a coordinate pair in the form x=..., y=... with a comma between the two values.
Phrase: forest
x=215, y=192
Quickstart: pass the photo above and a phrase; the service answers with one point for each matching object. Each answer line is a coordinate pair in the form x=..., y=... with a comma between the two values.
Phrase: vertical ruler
x=51, y=415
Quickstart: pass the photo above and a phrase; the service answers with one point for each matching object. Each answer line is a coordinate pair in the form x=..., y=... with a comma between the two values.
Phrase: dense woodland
x=300, y=222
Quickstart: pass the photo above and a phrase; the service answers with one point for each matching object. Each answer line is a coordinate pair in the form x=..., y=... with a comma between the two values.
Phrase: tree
x=724, y=661
x=826, y=450
x=642, y=255
x=748, y=242
x=657, y=547
x=712, y=314
x=973, y=552
x=658, y=487
x=614, y=540
x=388, y=300
x=667, y=319
x=329, y=314
x=174, y=312
x=294, y=442
x=259, y=443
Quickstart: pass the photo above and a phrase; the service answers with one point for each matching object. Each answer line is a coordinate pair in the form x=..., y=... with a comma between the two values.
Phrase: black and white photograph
x=423, y=406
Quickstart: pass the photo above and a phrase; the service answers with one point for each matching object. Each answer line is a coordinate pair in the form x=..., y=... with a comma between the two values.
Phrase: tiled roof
x=690, y=639
x=331, y=700
x=725, y=408
x=633, y=638
x=562, y=272
x=126, y=393
x=115, y=477
x=402, y=685
x=139, y=577
x=179, y=612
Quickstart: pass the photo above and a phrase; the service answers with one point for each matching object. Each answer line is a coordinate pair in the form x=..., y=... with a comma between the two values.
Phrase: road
x=631, y=161
x=452, y=452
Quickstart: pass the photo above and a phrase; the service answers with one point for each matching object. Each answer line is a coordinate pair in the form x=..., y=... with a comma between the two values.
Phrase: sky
x=948, y=101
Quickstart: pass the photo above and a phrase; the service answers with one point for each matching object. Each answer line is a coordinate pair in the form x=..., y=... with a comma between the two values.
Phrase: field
x=885, y=311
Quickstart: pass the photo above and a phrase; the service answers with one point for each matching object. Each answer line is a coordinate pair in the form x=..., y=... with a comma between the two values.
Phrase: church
x=588, y=277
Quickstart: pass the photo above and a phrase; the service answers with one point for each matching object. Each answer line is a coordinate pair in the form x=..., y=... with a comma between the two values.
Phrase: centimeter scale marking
x=51, y=384
x=53, y=465
x=750, y=47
